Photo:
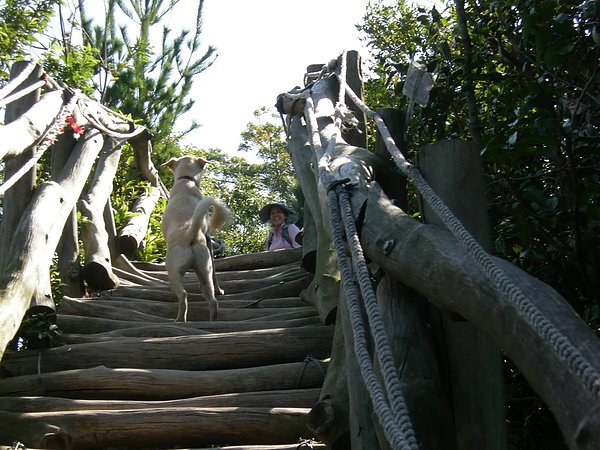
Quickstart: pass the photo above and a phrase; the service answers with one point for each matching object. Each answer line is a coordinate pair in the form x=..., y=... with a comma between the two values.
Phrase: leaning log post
x=329, y=417
x=36, y=237
x=132, y=235
x=16, y=198
x=453, y=170
x=324, y=288
x=363, y=435
x=404, y=313
x=69, y=264
x=97, y=271
x=357, y=135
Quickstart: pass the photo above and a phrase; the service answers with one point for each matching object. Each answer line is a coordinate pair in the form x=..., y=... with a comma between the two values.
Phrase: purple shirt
x=278, y=240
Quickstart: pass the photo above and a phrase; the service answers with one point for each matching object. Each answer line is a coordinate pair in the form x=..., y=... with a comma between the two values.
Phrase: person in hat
x=283, y=226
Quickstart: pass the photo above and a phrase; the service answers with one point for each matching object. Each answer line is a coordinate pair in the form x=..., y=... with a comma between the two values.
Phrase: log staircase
x=127, y=376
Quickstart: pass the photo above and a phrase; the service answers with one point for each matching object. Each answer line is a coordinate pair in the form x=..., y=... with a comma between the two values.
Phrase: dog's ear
x=201, y=161
x=171, y=163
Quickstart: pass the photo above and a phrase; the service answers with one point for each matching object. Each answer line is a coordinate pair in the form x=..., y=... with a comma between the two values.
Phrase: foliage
x=532, y=67
x=151, y=84
x=38, y=331
x=20, y=21
x=266, y=138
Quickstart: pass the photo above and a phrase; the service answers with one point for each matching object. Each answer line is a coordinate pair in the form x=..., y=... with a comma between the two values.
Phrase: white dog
x=186, y=225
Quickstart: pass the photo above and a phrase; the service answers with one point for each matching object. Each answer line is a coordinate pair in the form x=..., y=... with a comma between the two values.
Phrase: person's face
x=276, y=216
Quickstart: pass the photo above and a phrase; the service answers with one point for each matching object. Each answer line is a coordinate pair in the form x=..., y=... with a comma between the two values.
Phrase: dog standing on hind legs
x=186, y=225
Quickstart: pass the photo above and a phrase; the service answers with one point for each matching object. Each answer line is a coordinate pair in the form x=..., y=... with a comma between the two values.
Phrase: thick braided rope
x=560, y=344
x=54, y=130
x=401, y=436
x=382, y=346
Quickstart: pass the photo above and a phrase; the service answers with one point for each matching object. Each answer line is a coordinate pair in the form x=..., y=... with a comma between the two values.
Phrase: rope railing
x=393, y=417
x=558, y=342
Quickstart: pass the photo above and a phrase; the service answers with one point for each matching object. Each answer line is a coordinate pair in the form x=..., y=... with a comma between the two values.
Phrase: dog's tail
x=219, y=217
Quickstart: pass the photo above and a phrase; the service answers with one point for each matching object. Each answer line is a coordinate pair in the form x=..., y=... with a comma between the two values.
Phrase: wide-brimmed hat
x=292, y=217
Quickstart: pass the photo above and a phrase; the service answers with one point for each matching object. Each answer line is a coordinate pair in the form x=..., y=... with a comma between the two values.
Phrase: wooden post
x=453, y=170
x=355, y=136
x=133, y=233
x=69, y=265
x=97, y=270
x=16, y=198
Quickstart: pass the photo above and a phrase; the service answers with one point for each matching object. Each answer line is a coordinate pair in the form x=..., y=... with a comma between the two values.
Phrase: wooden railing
x=446, y=317
x=39, y=216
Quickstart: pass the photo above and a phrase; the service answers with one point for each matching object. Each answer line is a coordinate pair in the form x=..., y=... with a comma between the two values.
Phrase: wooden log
x=285, y=398
x=155, y=311
x=97, y=270
x=142, y=146
x=259, y=260
x=79, y=325
x=405, y=318
x=415, y=254
x=152, y=428
x=132, y=235
x=302, y=443
x=132, y=384
x=244, y=349
x=324, y=288
x=475, y=372
x=362, y=433
x=36, y=238
x=283, y=302
x=329, y=417
x=16, y=199
x=357, y=135
x=89, y=307
x=69, y=264
x=18, y=135
x=159, y=271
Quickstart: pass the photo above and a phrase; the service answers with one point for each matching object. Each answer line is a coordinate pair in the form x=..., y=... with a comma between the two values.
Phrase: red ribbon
x=76, y=128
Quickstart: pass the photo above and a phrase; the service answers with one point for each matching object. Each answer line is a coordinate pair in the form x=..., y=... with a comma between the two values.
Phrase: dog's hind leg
x=177, y=261
x=204, y=270
x=216, y=286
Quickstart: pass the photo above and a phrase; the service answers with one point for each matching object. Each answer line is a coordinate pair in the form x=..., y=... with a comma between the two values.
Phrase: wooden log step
x=252, y=261
x=206, y=352
x=273, y=289
x=280, y=302
x=229, y=287
x=164, y=311
x=303, y=444
x=285, y=398
x=259, y=260
x=155, y=428
x=73, y=324
x=160, y=272
x=133, y=384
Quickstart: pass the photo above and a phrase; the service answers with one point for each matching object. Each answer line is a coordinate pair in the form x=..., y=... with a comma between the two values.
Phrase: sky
x=264, y=47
